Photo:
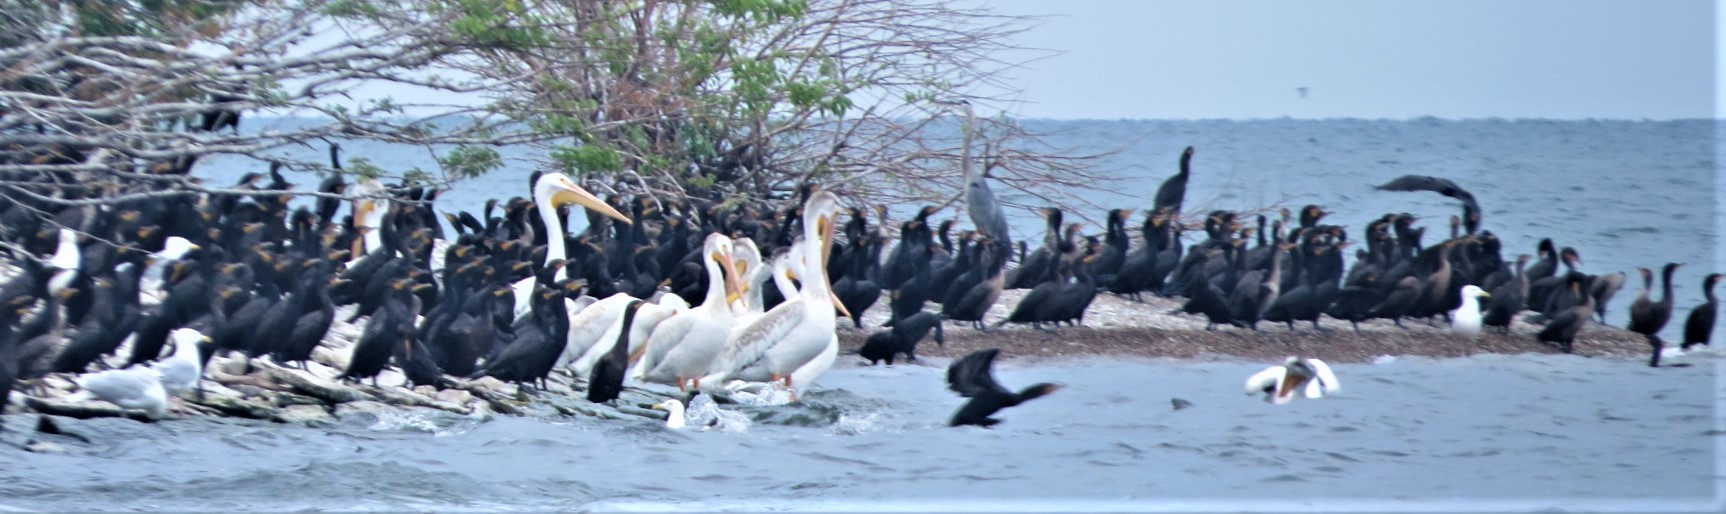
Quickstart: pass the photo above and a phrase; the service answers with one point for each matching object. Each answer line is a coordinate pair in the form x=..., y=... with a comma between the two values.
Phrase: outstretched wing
x=1471, y=209
x=1427, y=183
x=972, y=375
x=1326, y=378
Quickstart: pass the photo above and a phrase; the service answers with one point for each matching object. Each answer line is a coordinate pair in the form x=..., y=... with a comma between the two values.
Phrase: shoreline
x=1116, y=326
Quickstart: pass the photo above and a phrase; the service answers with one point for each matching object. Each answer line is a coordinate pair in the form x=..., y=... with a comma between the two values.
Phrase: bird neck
x=715, y=299
x=1033, y=392
x=554, y=247
x=1666, y=284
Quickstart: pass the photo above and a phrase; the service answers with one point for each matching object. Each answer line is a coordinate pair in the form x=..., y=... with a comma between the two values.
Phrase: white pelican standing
x=1280, y=383
x=681, y=348
x=1465, y=320
x=647, y=317
x=550, y=191
x=591, y=323
x=785, y=274
x=795, y=332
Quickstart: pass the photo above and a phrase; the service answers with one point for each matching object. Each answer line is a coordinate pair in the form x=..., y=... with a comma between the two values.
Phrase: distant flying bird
x=1302, y=90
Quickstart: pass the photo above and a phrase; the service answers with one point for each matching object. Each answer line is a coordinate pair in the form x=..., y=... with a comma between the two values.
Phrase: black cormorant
x=1648, y=317
x=1699, y=327
x=902, y=338
x=972, y=378
x=605, y=382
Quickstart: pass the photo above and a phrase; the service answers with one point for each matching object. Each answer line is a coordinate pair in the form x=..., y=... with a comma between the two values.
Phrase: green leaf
x=470, y=161
x=363, y=168
x=579, y=160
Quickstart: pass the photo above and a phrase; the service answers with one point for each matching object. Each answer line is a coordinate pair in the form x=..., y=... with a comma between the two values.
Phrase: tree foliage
x=722, y=98
x=714, y=98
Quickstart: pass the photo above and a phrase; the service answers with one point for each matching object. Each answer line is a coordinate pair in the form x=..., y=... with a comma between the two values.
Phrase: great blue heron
x=985, y=213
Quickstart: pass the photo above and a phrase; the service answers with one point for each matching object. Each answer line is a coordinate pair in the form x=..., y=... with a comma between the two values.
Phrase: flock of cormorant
x=674, y=291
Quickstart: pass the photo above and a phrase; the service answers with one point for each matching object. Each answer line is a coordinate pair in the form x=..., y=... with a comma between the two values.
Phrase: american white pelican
x=135, y=388
x=1465, y=320
x=1280, y=383
x=795, y=332
x=66, y=259
x=751, y=275
x=550, y=191
x=182, y=370
x=647, y=317
x=587, y=326
x=681, y=348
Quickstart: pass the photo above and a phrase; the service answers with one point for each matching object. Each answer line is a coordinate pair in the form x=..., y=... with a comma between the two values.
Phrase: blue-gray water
x=1489, y=432
x=1481, y=433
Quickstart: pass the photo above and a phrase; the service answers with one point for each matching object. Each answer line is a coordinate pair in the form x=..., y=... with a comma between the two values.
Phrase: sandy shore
x=1120, y=326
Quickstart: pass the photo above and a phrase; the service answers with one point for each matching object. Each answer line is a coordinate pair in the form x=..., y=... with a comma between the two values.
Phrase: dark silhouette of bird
x=1173, y=192
x=1470, y=208
x=1647, y=317
x=972, y=377
x=605, y=382
x=902, y=338
x=1699, y=327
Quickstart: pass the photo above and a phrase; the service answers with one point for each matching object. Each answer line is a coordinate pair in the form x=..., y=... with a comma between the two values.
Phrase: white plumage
x=135, y=388
x=182, y=370
x=1280, y=383
x=681, y=348
x=1466, y=320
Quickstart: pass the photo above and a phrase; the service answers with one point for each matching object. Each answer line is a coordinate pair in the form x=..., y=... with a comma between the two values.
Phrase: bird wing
x=972, y=375
x=1325, y=376
x=666, y=336
x=751, y=342
x=1437, y=185
x=1265, y=380
x=311, y=326
x=1427, y=183
x=115, y=386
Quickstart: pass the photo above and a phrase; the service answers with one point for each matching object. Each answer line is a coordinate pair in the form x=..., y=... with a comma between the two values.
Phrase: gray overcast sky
x=1371, y=58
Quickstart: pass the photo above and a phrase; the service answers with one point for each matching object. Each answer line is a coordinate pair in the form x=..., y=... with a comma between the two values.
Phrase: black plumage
x=1173, y=192
x=316, y=313
x=1699, y=327
x=605, y=382
x=973, y=377
x=392, y=324
x=533, y=353
x=1470, y=208
x=902, y=338
x=417, y=363
x=1564, y=325
x=974, y=293
x=1649, y=317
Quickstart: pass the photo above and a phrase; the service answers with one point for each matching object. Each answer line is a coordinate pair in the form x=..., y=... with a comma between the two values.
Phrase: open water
x=1485, y=433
